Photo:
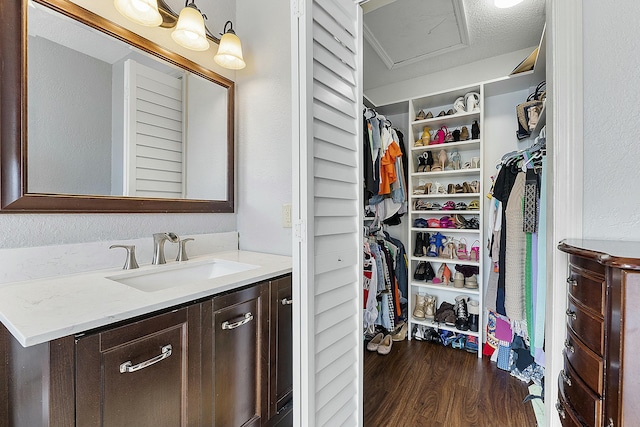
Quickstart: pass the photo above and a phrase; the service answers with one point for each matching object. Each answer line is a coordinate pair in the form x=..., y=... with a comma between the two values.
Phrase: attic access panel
x=406, y=31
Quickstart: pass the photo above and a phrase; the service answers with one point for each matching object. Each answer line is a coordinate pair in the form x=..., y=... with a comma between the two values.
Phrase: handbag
x=529, y=111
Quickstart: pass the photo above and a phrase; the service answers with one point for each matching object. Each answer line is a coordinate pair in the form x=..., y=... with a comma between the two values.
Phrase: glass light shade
x=503, y=4
x=143, y=12
x=230, y=52
x=189, y=31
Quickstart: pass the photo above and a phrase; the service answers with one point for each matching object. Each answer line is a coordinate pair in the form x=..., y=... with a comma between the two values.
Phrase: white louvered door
x=327, y=46
x=154, y=142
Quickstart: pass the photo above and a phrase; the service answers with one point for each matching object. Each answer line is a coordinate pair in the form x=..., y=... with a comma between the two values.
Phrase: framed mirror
x=96, y=118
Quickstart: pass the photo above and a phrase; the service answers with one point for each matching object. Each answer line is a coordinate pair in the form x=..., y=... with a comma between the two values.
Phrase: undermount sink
x=171, y=276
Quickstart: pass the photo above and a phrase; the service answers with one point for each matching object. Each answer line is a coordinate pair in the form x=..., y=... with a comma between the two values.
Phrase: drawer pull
x=128, y=367
x=285, y=301
x=560, y=410
x=568, y=346
x=246, y=319
x=572, y=282
x=571, y=314
x=565, y=377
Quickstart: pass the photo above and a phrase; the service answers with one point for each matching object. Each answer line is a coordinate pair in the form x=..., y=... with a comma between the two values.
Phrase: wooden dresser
x=600, y=382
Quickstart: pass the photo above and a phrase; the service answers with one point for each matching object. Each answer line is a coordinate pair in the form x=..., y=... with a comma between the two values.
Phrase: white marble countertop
x=37, y=311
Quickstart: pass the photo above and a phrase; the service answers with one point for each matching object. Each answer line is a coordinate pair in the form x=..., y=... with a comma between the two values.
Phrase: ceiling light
x=506, y=3
x=143, y=12
x=230, y=50
x=189, y=31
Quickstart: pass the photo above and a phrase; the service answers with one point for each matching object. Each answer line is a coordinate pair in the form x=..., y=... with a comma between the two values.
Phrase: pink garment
x=503, y=330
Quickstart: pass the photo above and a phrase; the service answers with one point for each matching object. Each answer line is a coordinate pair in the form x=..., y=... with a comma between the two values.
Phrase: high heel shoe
x=455, y=160
x=475, y=162
x=442, y=157
x=401, y=332
x=474, y=253
x=426, y=135
x=429, y=159
x=459, y=105
x=444, y=275
x=464, y=133
x=462, y=249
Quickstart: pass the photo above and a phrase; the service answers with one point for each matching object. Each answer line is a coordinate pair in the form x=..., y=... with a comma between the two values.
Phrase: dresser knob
x=568, y=346
x=571, y=314
x=572, y=282
x=560, y=410
x=565, y=377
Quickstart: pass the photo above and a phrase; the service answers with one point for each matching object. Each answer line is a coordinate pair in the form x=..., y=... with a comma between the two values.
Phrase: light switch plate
x=286, y=215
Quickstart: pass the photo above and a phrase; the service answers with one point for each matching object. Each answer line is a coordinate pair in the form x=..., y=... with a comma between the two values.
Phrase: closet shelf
x=460, y=119
x=431, y=285
x=469, y=143
x=447, y=230
x=476, y=212
x=456, y=172
x=445, y=196
x=436, y=325
x=445, y=260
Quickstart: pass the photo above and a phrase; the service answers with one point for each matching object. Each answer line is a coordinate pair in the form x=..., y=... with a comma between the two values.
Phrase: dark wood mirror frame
x=13, y=122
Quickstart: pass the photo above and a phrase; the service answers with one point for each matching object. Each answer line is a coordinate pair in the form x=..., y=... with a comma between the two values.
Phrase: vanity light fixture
x=189, y=31
x=503, y=4
x=143, y=12
x=229, y=50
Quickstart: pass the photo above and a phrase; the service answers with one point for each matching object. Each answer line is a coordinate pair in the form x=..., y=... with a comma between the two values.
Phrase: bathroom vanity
x=214, y=352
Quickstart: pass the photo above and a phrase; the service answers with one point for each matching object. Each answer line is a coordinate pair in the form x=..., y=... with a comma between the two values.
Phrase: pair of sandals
x=468, y=103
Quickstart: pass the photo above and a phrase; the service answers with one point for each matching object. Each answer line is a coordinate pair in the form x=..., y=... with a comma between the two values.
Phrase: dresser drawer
x=592, y=266
x=586, y=403
x=587, y=364
x=587, y=326
x=588, y=289
x=568, y=418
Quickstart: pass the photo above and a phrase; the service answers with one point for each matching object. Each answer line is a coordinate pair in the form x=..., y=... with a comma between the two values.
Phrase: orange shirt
x=388, y=168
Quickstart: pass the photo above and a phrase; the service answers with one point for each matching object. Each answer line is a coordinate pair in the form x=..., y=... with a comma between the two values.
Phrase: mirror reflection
x=107, y=119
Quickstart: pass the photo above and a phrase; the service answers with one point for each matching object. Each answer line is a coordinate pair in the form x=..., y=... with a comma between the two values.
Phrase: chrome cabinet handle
x=560, y=410
x=565, y=377
x=572, y=282
x=571, y=314
x=568, y=346
x=247, y=318
x=128, y=367
x=285, y=301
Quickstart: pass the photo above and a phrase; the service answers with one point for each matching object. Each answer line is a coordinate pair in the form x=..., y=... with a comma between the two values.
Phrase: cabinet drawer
x=586, y=403
x=588, y=327
x=588, y=289
x=593, y=267
x=568, y=417
x=587, y=364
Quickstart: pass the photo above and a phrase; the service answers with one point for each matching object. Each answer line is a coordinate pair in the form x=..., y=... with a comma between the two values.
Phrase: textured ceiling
x=411, y=38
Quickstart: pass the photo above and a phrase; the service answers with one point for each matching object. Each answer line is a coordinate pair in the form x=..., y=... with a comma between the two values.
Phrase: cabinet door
x=239, y=331
x=139, y=374
x=281, y=355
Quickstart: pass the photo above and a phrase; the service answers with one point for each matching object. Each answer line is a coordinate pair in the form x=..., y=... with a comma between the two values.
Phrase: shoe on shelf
x=474, y=313
x=421, y=115
x=475, y=130
x=474, y=252
x=418, y=310
x=441, y=114
x=459, y=105
x=471, y=282
x=416, y=333
x=458, y=280
x=443, y=311
x=462, y=316
x=464, y=133
x=429, y=115
x=384, y=347
x=459, y=341
x=431, y=335
x=420, y=272
x=429, y=273
x=429, y=306
x=472, y=102
x=375, y=342
x=462, y=249
x=446, y=337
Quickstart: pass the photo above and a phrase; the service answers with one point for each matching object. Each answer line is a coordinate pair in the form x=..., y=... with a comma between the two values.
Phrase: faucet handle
x=182, y=251
x=130, y=262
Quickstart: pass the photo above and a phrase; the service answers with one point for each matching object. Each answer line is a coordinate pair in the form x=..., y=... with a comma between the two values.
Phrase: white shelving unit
x=467, y=149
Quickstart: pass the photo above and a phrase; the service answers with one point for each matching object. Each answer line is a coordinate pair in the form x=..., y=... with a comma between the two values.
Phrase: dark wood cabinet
x=225, y=361
x=599, y=383
x=281, y=352
x=140, y=374
x=235, y=358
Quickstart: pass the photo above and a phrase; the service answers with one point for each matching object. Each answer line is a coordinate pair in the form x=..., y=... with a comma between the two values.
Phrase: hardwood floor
x=420, y=384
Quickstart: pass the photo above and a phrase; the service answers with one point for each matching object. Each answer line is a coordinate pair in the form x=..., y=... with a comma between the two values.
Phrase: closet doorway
x=444, y=385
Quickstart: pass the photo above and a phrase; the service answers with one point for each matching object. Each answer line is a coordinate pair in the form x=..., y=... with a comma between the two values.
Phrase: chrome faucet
x=158, y=246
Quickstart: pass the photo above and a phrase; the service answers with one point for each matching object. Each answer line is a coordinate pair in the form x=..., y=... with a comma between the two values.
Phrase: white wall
x=612, y=120
x=263, y=111
x=466, y=75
